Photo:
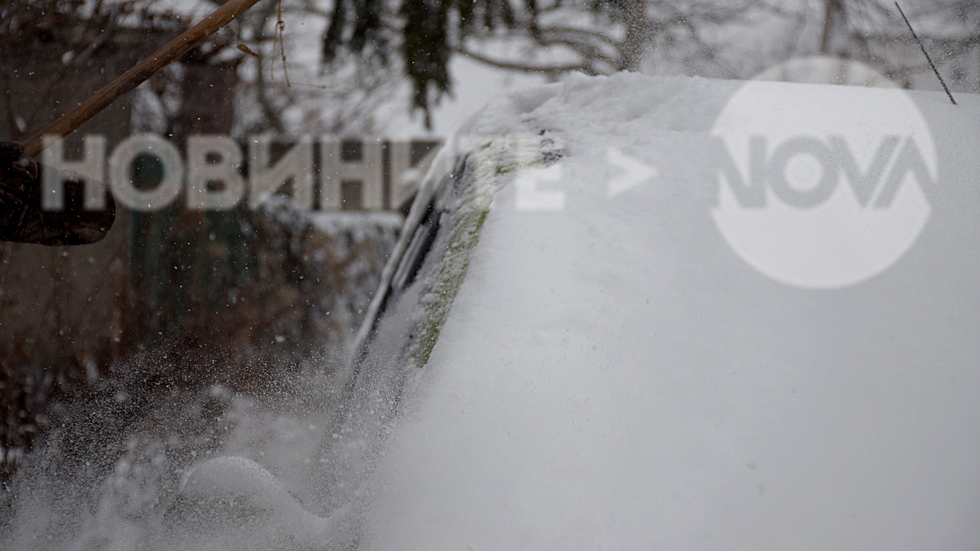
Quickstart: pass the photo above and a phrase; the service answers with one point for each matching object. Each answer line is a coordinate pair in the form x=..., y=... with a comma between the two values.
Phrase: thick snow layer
x=613, y=375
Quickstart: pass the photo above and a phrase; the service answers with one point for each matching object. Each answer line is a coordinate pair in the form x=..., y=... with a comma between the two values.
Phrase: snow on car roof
x=633, y=362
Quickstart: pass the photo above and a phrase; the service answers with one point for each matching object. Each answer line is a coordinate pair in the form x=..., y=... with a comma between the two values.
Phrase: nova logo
x=828, y=187
x=820, y=169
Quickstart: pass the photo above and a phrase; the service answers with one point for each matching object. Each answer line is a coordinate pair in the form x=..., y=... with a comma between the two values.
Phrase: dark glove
x=23, y=220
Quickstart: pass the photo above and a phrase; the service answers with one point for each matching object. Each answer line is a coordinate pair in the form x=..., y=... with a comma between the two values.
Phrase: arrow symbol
x=633, y=174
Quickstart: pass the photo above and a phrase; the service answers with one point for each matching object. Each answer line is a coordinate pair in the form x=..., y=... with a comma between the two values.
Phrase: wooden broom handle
x=132, y=78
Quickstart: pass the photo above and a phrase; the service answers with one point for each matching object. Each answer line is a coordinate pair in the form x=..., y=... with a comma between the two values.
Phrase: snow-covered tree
x=546, y=36
x=729, y=39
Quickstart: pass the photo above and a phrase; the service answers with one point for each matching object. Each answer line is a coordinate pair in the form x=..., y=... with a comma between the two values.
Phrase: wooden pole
x=132, y=78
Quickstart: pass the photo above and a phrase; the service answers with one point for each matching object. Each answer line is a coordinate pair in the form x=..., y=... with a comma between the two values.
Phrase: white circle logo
x=822, y=187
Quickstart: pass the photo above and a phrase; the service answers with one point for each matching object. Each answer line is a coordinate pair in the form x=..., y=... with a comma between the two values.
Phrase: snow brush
x=21, y=217
x=132, y=78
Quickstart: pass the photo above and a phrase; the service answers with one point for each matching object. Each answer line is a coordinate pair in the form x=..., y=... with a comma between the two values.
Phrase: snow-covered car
x=638, y=313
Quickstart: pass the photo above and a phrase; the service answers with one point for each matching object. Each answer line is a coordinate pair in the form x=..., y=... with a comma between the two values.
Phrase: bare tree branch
x=528, y=67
